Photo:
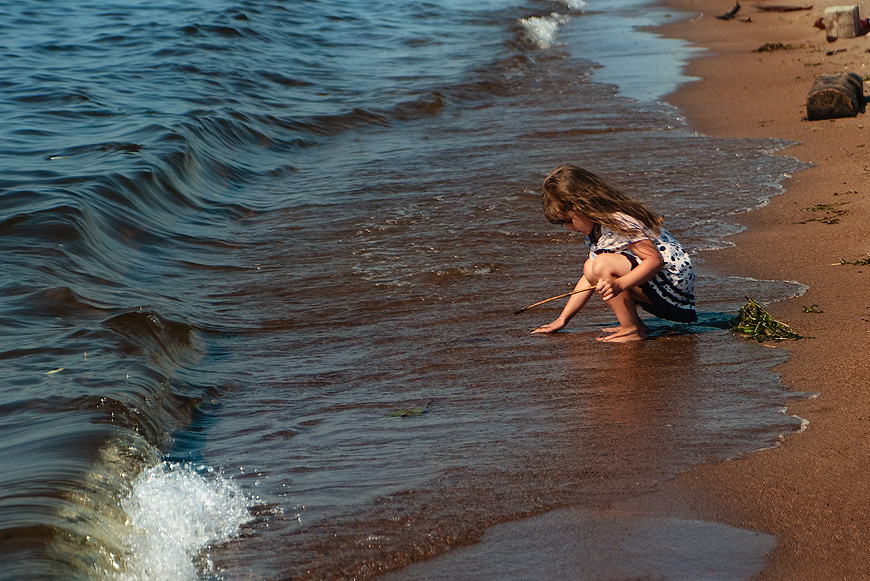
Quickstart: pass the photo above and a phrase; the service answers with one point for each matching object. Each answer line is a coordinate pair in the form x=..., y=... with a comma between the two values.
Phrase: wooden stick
x=574, y=292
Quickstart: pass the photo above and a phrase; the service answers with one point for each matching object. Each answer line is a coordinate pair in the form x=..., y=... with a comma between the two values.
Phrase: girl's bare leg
x=631, y=327
x=623, y=305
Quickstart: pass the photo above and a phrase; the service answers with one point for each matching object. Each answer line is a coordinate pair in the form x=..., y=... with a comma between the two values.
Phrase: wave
x=177, y=511
x=574, y=4
x=96, y=344
x=111, y=397
x=542, y=31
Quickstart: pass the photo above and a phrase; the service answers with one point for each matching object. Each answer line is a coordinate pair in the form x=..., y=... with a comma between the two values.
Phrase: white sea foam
x=574, y=4
x=543, y=30
x=175, y=513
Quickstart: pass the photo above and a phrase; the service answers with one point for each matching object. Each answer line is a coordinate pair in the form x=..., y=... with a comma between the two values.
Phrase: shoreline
x=808, y=492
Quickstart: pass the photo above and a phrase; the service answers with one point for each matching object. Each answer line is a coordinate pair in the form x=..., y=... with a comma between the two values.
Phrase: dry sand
x=812, y=492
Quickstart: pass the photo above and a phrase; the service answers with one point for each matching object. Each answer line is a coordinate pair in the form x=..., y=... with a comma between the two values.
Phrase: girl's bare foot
x=621, y=336
x=642, y=331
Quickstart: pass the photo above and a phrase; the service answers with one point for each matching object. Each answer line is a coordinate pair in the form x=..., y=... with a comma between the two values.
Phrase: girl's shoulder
x=629, y=222
x=632, y=228
x=611, y=240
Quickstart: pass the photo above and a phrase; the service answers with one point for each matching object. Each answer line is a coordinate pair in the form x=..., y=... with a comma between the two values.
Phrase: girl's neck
x=596, y=233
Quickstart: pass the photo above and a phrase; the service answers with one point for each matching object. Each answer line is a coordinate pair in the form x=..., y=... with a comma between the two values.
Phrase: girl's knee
x=590, y=271
x=607, y=265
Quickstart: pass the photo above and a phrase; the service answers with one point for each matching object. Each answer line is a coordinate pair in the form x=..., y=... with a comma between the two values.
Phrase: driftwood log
x=730, y=14
x=782, y=8
x=835, y=96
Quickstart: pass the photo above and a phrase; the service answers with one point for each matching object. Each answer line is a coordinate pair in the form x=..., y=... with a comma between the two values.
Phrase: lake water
x=238, y=237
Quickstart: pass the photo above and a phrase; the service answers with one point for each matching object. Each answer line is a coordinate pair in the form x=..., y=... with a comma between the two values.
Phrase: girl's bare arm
x=651, y=263
x=572, y=307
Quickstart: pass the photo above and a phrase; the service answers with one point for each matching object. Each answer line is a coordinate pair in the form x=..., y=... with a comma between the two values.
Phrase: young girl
x=632, y=260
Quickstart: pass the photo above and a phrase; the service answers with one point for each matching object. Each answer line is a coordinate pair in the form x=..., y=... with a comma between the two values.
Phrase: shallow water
x=573, y=544
x=236, y=236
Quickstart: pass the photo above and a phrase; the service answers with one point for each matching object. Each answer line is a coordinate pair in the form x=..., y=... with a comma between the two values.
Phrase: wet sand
x=811, y=492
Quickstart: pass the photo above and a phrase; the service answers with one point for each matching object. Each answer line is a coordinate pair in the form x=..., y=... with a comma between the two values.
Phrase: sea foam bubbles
x=175, y=513
x=543, y=30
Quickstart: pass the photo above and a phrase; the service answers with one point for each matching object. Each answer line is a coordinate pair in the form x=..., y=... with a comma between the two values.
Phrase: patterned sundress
x=672, y=290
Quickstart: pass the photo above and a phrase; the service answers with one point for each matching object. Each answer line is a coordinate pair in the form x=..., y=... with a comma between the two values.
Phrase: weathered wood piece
x=782, y=8
x=835, y=96
x=730, y=14
x=842, y=22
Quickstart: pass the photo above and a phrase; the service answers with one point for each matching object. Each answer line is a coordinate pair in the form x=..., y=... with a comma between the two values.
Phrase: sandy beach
x=811, y=492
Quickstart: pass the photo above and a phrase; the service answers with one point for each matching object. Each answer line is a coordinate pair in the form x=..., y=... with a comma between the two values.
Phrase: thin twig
x=574, y=292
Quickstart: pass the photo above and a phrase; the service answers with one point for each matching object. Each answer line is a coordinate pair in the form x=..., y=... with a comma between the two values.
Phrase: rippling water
x=237, y=235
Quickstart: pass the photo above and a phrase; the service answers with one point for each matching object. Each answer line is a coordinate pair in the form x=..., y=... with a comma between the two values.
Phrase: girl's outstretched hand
x=551, y=328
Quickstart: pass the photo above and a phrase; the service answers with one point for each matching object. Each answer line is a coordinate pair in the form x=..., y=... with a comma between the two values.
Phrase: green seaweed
x=858, y=262
x=813, y=308
x=753, y=321
x=832, y=214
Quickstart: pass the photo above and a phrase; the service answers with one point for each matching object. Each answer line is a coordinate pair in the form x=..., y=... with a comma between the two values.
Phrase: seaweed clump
x=753, y=321
x=832, y=214
x=772, y=46
x=858, y=262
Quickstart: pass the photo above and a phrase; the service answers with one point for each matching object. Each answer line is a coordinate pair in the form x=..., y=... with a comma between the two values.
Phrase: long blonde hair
x=569, y=188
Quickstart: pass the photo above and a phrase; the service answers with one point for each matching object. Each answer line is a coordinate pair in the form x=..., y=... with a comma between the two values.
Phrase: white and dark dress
x=672, y=290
